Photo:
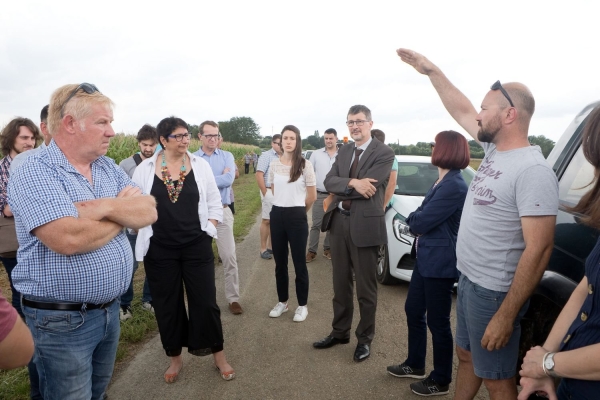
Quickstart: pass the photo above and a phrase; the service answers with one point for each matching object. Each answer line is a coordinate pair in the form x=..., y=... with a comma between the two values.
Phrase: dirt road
x=273, y=357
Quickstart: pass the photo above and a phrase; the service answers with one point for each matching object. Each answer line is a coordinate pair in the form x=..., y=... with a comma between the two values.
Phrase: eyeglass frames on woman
x=180, y=136
x=89, y=88
x=432, y=144
x=498, y=86
x=358, y=122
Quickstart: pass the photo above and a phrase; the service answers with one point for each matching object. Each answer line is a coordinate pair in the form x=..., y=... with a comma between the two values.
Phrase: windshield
x=415, y=179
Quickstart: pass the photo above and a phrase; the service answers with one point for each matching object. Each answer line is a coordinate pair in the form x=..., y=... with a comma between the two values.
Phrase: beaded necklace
x=166, y=176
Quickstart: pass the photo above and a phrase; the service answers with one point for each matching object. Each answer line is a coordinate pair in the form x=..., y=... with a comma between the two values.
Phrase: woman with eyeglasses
x=572, y=348
x=429, y=300
x=177, y=249
x=293, y=183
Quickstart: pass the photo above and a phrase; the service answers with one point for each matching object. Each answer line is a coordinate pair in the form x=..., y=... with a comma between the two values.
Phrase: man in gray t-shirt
x=506, y=233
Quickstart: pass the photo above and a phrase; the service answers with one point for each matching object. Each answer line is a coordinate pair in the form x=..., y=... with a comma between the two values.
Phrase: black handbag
x=8, y=238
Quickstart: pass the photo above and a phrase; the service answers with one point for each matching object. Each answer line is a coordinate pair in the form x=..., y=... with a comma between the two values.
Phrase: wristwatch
x=548, y=365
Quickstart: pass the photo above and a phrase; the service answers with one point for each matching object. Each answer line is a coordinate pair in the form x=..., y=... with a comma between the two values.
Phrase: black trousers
x=289, y=225
x=168, y=270
x=428, y=304
x=246, y=168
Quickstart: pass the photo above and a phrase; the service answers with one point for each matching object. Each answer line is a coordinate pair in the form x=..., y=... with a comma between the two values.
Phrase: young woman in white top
x=294, y=191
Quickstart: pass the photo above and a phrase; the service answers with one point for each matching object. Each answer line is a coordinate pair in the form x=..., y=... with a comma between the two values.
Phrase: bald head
x=521, y=97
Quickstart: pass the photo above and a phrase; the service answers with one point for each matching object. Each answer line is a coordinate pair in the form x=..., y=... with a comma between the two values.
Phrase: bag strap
x=137, y=158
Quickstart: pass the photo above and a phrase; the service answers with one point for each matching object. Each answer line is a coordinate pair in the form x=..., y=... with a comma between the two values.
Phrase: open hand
x=418, y=61
x=497, y=333
x=364, y=187
x=544, y=386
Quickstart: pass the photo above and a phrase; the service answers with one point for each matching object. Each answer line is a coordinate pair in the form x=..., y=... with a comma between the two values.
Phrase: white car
x=416, y=175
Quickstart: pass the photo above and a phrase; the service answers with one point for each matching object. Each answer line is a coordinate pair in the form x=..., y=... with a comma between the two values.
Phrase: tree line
x=244, y=130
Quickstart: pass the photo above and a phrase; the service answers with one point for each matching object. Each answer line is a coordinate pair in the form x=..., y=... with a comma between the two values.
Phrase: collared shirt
x=21, y=157
x=45, y=189
x=218, y=161
x=4, y=174
x=264, y=162
x=363, y=147
x=322, y=163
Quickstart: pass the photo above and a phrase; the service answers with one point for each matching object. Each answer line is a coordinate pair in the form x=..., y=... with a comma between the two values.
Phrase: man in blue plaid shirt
x=74, y=262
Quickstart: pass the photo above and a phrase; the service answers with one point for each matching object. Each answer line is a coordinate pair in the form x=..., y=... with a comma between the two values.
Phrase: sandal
x=226, y=375
x=171, y=378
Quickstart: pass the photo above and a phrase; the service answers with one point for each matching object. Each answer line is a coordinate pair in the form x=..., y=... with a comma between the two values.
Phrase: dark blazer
x=367, y=218
x=437, y=220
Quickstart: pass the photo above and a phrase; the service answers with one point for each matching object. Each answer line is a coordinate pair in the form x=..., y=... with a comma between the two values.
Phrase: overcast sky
x=301, y=63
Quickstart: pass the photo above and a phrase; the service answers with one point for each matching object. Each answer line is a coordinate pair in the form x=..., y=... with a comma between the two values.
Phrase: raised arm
x=457, y=104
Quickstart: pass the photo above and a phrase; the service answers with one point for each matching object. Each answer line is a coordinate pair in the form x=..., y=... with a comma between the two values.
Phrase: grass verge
x=14, y=384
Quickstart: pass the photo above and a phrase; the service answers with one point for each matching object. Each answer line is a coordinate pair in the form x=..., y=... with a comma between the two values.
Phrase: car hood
x=404, y=205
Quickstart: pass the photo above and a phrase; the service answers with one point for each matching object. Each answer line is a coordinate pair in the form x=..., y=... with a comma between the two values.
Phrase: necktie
x=357, y=152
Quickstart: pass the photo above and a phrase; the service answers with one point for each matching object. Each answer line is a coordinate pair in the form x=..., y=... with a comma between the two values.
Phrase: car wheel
x=383, y=267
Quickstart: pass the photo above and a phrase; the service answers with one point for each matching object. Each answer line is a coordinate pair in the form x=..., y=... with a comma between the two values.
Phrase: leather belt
x=318, y=191
x=65, y=306
x=344, y=212
x=225, y=205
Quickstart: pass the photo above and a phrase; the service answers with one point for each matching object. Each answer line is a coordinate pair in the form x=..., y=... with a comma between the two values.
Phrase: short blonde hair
x=79, y=106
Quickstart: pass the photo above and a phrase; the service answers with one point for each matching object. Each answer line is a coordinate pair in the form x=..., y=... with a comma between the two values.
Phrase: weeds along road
x=273, y=357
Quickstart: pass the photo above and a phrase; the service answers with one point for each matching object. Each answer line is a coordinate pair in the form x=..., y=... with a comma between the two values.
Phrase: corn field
x=123, y=146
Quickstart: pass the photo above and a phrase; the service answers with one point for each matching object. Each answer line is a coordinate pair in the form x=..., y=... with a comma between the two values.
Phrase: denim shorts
x=474, y=309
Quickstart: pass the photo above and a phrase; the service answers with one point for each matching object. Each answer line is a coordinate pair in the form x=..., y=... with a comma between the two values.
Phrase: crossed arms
x=99, y=221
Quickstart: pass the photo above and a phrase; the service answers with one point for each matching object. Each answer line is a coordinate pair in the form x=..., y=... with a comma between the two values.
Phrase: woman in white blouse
x=294, y=191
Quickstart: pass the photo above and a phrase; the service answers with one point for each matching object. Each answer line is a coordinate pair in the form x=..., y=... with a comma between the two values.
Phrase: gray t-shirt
x=128, y=166
x=508, y=185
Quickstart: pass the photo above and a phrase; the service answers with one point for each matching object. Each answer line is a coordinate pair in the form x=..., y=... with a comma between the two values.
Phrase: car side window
x=576, y=180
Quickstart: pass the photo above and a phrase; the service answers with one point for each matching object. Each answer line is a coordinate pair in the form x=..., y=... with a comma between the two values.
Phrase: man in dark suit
x=355, y=217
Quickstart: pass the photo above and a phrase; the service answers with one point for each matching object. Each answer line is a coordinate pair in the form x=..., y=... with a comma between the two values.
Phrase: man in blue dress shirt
x=222, y=164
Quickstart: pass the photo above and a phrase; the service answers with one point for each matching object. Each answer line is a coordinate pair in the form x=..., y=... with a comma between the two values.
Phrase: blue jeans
x=428, y=304
x=127, y=297
x=10, y=264
x=74, y=350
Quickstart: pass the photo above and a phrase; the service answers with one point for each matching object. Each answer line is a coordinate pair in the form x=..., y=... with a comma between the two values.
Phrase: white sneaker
x=301, y=314
x=125, y=313
x=148, y=306
x=279, y=309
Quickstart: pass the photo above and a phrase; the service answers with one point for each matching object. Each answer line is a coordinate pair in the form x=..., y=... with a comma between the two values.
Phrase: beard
x=488, y=133
x=147, y=154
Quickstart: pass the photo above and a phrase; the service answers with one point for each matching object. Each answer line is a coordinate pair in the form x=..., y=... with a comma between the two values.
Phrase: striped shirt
x=45, y=189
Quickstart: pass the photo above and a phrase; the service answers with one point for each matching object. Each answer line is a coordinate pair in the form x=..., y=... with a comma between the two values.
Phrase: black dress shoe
x=362, y=352
x=328, y=342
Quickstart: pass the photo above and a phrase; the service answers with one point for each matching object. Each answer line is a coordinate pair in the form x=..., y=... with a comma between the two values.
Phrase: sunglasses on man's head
x=89, y=88
x=498, y=86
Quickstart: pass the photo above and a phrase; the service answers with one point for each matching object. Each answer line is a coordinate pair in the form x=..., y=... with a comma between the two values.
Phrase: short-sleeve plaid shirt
x=45, y=189
x=264, y=162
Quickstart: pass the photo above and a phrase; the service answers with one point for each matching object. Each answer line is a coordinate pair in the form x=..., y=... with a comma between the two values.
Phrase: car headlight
x=401, y=230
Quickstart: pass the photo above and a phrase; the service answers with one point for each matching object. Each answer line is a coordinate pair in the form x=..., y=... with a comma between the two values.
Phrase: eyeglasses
x=211, y=137
x=277, y=143
x=498, y=86
x=89, y=88
x=432, y=144
x=358, y=122
x=180, y=136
